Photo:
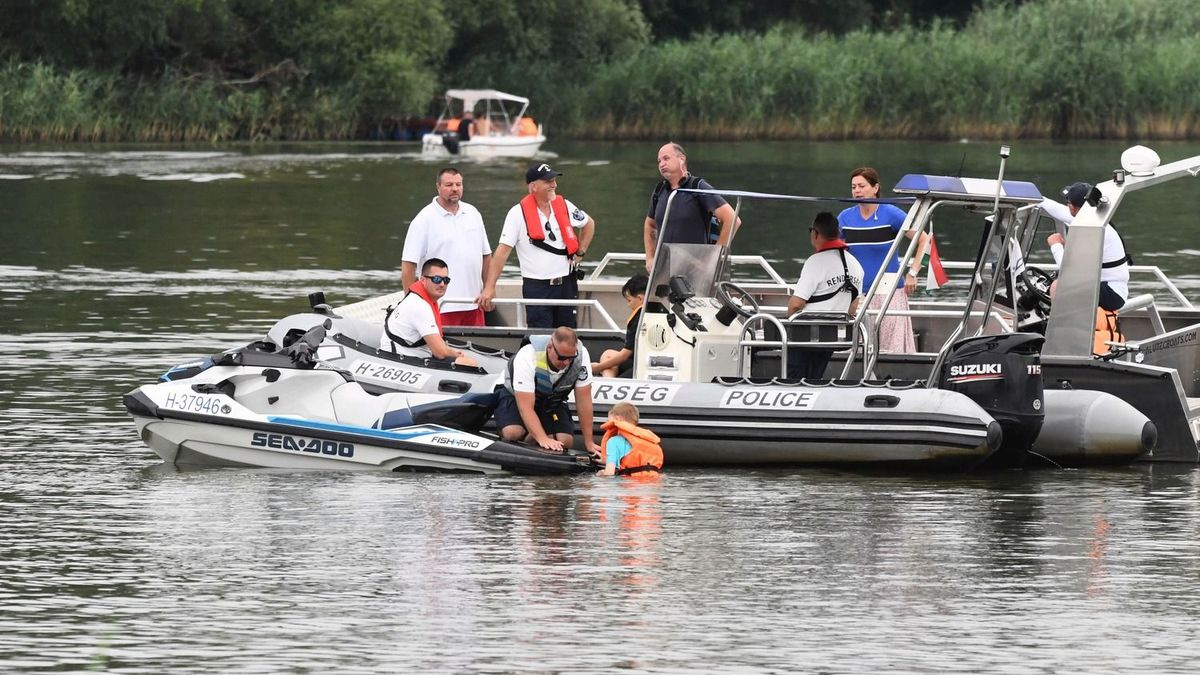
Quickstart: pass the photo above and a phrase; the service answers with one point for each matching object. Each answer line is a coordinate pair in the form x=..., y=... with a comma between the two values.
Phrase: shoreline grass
x=1086, y=69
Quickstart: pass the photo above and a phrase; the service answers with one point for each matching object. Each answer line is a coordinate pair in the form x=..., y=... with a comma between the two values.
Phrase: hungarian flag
x=936, y=277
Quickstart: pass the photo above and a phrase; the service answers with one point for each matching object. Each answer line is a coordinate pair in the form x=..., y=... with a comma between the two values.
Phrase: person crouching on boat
x=831, y=281
x=532, y=404
x=417, y=321
x=627, y=448
x=619, y=362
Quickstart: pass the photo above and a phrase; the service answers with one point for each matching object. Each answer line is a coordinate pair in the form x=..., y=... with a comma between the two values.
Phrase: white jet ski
x=253, y=408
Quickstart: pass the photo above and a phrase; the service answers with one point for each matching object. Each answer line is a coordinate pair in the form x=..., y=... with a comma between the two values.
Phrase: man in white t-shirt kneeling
x=831, y=282
x=417, y=321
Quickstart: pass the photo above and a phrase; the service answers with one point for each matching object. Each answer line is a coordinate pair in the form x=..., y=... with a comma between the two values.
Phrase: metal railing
x=521, y=303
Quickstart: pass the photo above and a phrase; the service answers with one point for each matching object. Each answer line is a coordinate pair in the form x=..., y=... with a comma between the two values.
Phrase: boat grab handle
x=881, y=401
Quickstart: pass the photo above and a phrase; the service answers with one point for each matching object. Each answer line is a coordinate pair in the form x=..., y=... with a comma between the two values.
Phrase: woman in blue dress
x=869, y=230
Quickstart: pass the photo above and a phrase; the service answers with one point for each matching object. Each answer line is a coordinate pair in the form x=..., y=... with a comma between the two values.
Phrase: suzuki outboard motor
x=1003, y=374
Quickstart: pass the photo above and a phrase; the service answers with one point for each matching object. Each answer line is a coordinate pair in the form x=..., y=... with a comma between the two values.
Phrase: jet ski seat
x=466, y=413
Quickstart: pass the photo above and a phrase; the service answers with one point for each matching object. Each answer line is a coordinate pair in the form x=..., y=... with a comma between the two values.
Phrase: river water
x=120, y=262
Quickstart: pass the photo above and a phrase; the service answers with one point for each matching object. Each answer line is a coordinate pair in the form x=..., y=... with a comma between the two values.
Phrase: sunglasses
x=559, y=355
x=438, y=279
x=550, y=233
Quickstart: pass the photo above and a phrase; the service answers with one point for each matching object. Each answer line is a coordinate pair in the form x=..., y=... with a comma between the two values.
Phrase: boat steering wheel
x=736, y=298
x=1037, y=283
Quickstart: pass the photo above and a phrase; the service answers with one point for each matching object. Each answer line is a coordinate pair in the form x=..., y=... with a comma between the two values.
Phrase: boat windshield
x=698, y=264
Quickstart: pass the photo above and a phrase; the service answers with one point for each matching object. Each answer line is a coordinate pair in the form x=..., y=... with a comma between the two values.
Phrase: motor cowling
x=1003, y=374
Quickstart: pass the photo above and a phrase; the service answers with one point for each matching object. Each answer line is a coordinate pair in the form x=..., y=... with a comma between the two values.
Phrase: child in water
x=627, y=448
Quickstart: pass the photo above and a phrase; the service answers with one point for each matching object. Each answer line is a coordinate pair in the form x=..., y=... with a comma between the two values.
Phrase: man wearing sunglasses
x=416, y=321
x=540, y=377
x=542, y=230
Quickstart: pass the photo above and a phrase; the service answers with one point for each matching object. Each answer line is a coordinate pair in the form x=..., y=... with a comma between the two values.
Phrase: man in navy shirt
x=690, y=212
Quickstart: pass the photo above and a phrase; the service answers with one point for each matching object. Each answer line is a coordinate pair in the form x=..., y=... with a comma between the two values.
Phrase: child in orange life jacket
x=626, y=447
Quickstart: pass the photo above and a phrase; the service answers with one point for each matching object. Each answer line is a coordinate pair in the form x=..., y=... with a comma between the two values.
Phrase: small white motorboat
x=501, y=127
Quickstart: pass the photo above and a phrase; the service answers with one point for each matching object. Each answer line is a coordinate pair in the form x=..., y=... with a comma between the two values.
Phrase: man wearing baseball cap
x=542, y=229
x=1114, y=269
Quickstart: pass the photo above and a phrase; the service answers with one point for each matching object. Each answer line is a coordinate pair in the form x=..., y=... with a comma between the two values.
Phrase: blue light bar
x=969, y=188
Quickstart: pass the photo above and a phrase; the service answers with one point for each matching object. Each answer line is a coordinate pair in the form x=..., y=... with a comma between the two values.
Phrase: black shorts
x=626, y=368
x=1110, y=299
x=555, y=419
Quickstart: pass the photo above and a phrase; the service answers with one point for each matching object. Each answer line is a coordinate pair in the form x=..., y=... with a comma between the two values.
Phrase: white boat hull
x=484, y=147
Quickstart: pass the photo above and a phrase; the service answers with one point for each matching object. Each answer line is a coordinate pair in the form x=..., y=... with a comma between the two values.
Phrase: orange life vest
x=646, y=454
x=537, y=234
x=1107, y=330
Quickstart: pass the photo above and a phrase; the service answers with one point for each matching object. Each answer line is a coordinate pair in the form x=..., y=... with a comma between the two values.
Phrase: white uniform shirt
x=459, y=239
x=1114, y=249
x=411, y=320
x=536, y=263
x=823, y=273
x=524, y=367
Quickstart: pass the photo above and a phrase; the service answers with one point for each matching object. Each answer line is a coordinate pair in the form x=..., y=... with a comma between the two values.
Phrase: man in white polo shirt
x=452, y=230
x=830, y=282
x=541, y=228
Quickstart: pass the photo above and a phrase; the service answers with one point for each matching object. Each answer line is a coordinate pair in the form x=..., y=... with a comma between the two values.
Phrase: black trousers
x=807, y=363
x=550, y=317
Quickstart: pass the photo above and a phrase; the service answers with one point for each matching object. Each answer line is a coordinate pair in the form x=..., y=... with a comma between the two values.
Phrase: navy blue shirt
x=690, y=213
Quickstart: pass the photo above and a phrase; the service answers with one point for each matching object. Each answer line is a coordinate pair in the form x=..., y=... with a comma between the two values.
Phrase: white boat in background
x=498, y=131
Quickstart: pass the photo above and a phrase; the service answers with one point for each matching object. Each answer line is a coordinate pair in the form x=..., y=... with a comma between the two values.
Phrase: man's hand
x=594, y=450
x=1056, y=238
x=550, y=444
x=485, y=299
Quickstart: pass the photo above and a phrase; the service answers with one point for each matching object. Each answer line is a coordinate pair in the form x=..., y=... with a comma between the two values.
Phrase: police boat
x=281, y=409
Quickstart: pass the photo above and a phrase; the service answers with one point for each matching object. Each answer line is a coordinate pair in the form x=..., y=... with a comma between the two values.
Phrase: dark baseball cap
x=541, y=171
x=1076, y=193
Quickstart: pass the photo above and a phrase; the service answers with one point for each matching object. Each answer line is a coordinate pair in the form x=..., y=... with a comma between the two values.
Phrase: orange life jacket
x=646, y=454
x=537, y=234
x=1107, y=329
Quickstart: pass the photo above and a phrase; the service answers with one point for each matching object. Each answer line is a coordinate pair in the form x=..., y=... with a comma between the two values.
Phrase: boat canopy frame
x=469, y=98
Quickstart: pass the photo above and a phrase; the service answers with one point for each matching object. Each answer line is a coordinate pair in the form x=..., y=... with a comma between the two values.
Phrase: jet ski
x=261, y=407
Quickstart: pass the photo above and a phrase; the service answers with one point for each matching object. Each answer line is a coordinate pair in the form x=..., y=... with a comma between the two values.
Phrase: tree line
x=212, y=70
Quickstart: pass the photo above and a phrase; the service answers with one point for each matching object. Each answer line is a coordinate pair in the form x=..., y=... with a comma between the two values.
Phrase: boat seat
x=815, y=329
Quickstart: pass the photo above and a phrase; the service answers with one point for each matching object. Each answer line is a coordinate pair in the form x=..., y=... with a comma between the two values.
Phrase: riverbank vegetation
x=217, y=70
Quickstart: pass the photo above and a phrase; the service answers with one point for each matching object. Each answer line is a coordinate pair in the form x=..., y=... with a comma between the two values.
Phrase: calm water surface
x=120, y=262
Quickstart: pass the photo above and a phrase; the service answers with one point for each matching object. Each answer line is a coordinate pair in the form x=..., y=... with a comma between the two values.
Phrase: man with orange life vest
x=541, y=228
x=627, y=448
x=417, y=321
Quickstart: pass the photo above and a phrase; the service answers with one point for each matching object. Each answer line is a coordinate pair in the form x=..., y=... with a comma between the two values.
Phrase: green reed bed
x=1054, y=68
x=41, y=103
x=1061, y=68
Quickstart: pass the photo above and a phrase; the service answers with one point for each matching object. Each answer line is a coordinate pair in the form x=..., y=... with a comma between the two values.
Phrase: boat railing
x=1144, y=301
x=1160, y=277
x=521, y=303
x=598, y=272
x=750, y=327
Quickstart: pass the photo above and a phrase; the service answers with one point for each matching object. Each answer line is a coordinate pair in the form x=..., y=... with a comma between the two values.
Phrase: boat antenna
x=961, y=162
